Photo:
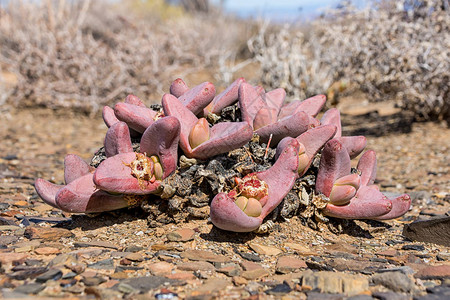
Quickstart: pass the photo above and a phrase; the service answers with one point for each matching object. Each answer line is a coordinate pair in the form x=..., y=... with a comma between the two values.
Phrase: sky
x=280, y=10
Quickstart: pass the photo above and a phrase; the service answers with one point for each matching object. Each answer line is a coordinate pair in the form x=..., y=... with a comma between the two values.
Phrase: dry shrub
x=85, y=54
x=392, y=50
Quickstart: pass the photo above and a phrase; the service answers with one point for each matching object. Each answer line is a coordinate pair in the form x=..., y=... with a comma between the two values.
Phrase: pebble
x=181, y=235
x=30, y=288
x=390, y=296
x=250, y=266
x=52, y=274
x=264, y=250
x=230, y=270
x=47, y=234
x=100, y=244
x=160, y=268
x=145, y=284
x=299, y=249
x=196, y=266
x=434, y=272
x=429, y=231
x=135, y=256
x=335, y=282
x=210, y=286
x=255, y=274
x=25, y=272
x=47, y=251
x=279, y=289
x=105, y=264
x=11, y=258
x=250, y=256
x=288, y=264
x=93, y=281
x=395, y=281
x=203, y=256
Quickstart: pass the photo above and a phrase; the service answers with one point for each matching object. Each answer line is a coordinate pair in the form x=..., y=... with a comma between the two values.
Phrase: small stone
x=6, y=240
x=87, y=252
x=204, y=256
x=126, y=288
x=250, y=256
x=125, y=262
x=390, y=296
x=9, y=227
x=388, y=253
x=47, y=251
x=145, y=284
x=181, y=235
x=395, y=281
x=135, y=257
x=106, y=264
x=279, y=289
x=196, y=266
x=212, y=285
x=100, y=244
x=25, y=272
x=230, y=270
x=133, y=248
x=160, y=268
x=429, y=231
x=255, y=274
x=434, y=272
x=31, y=288
x=93, y=281
x=250, y=266
x=288, y=264
x=52, y=274
x=264, y=250
x=62, y=259
x=413, y=247
x=335, y=282
x=299, y=249
x=181, y=276
x=238, y=280
x=76, y=267
x=11, y=258
x=48, y=234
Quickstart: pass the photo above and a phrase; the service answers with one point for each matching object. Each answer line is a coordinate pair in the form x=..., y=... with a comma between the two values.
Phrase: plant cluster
x=192, y=120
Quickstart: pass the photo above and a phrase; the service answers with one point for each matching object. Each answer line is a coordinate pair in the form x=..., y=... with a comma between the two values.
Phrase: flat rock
x=181, y=235
x=289, y=263
x=299, y=249
x=390, y=296
x=250, y=266
x=434, y=272
x=25, y=272
x=230, y=270
x=279, y=289
x=31, y=288
x=135, y=256
x=52, y=274
x=204, y=256
x=255, y=274
x=6, y=240
x=160, y=268
x=264, y=250
x=145, y=284
x=335, y=283
x=429, y=231
x=211, y=286
x=10, y=258
x=100, y=244
x=47, y=251
x=48, y=234
x=196, y=266
x=395, y=281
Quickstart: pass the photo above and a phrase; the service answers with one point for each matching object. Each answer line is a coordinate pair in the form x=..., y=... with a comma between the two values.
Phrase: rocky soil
x=47, y=253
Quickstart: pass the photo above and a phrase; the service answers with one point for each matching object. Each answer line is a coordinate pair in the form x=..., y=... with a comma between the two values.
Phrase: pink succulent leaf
x=400, y=206
x=250, y=102
x=114, y=175
x=226, y=215
x=368, y=203
x=47, y=191
x=311, y=106
x=367, y=165
x=224, y=99
x=137, y=117
x=288, y=109
x=224, y=137
x=344, y=189
x=117, y=139
x=81, y=196
x=161, y=139
x=132, y=99
x=334, y=164
x=259, y=89
x=108, y=116
x=74, y=167
x=291, y=126
x=197, y=98
x=280, y=178
x=354, y=144
x=275, y=99
x=264, y=117
x=333, y=117
x=178, y=87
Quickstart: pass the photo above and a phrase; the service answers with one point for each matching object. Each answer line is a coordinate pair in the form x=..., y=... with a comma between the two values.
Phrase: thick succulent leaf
x=354, y=144
x=178, y=87
x=136, y=117
x=311, y=106
x=400, y=206
x=132, y=99
x=47, y=191
x=226, y=215
x=108, y=116
x=367, y=204
x=114, y=175
x=161, y=139
x=197, y=98
x=281, y=177
x=81, y=196
x=334, y=163
x=333, y=117
x=275, y=99
x=344, y=189
x=74, y=167
x=224, y=99
x=291, y=126
x=224, y=137
x=367, y=165
x=117, y=139
x=173, y=107
x=264, y=117
x=250, y=102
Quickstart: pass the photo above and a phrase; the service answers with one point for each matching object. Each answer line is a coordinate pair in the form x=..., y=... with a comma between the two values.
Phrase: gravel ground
x=47, y=253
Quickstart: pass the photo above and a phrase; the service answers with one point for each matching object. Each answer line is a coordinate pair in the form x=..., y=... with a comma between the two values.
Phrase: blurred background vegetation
x=84, y=54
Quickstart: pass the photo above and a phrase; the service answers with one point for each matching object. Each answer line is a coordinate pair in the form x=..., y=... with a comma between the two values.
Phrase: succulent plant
x=140, y=157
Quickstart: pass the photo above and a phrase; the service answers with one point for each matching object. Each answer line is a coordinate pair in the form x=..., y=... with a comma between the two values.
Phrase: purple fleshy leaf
x=74, y=168
x=224, y=99
x=82, y=196
x=178, y=87
x=250, y=102
x=367, y=165
x=117, y=139
x=367, y=204
x=354, y=144
x=310, y=106
x=161, y=139
x=108, y=116
x=291, y=126
x=334, y=163
x=264, y=117
x=136, y=117
x=132, y=99
x=275, y=99
x=197, y=98
x=114, y=175
x=333, y=117
x=344, y=189
x=400, y=206
x=47, y=191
